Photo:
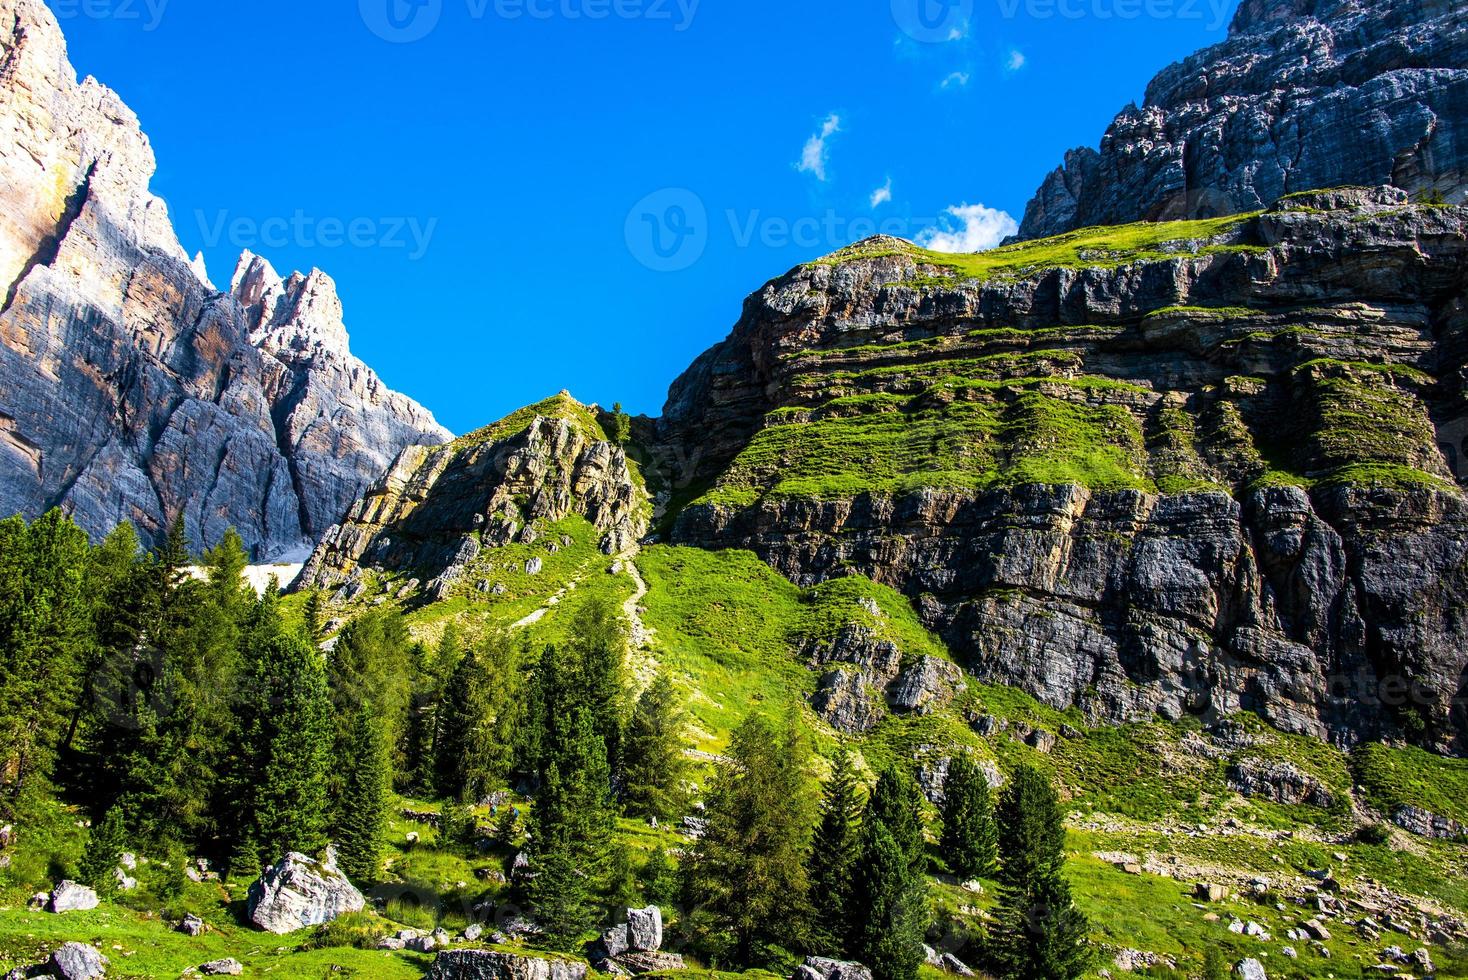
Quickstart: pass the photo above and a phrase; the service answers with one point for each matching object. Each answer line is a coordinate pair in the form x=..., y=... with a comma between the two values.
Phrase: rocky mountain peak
x=134, y=389
x=1303, y=95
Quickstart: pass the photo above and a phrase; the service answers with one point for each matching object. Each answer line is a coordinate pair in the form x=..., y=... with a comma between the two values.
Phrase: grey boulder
x=77, y=961
x=71, y=897
x=820, y=968
x=645, y=929
x=300, y=892
x=222, y=968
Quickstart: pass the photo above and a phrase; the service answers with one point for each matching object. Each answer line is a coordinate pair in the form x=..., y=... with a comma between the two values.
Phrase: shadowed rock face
x=1219, y=474
x=1304, y=94
x=132, y=388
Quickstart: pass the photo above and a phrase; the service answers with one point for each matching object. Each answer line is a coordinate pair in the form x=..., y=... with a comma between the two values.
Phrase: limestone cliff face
x=132, y=388
x=1304, y=94
x=1197, y=469
x=439, y=508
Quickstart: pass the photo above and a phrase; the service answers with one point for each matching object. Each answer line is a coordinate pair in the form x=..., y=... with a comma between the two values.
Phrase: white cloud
x=982, y=228
x=958, y=79
x=1015, y=61
x=882, y=194
x=813, y=159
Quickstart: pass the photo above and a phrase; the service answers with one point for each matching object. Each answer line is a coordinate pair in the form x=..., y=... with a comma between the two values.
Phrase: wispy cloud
x=882, y=194
x=815, y=156
x=958, y=79
x=1015, y=60
x=973, y=228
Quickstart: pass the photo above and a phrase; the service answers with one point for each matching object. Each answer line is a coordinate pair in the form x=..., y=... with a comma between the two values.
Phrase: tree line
x=189, y=717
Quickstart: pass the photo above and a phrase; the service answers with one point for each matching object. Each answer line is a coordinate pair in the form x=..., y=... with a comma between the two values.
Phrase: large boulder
x=71, y=897
x=645, y=929
x=300, y=892
x=641, y=963
x=77, y=961
x=222, y=968
x=1251, y=970
x=820, y=968
x=483, y=964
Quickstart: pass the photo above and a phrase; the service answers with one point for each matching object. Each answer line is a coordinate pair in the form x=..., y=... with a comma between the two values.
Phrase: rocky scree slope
x=442, y=513
x=1303, y=94
x=135, y=390
x=1177, y=469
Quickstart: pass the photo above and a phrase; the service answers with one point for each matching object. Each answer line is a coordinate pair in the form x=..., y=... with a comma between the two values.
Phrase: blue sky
x=519, y=196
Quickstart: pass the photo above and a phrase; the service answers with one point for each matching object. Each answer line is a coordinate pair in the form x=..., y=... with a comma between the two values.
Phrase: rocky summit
x=1303, y=95
x=134, y=389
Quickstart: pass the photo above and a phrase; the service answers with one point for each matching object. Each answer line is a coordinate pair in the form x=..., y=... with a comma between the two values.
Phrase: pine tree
x=1040, y=934
x=746, y=877
x=362, y=814
x=655, y=770
x=891, y=892
x=970, y=838
x=571, y=851
x=834, y=857
x=892, y=902
x=897, y=803
x=98, y=868
x=314, y=616
x=473, y=746
x=621, y=425
x=371, y=664
x=285, y=749
x=44, y=619
x=660, y=879
x=596, y=672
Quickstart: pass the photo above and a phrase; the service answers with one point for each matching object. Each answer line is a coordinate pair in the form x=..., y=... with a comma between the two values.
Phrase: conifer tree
x=362, y=813
x=473, y=747
x=655, y=770
x=891, y=893
x=285, y=749
x=660, y=879
x=834, y=857
x=1040, y=934
x=103, y=853
x=44, y=620
x=572, y=847
x=746, y=878
x=970, y=838
x=892, y=904
x=596, y=672
x=371, y=664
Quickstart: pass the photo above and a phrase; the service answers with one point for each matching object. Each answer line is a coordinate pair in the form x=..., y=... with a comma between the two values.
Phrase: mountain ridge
x=138, y=391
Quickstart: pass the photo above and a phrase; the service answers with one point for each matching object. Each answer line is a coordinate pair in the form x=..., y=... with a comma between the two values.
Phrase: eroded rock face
x=132, y=388
x=477, y=964
x=300, y=892
x=1302, y=95
x=1281, y=413
x=438, y=509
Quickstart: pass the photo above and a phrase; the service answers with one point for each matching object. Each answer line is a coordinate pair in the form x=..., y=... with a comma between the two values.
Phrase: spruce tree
x=660, y=879
x=891, y=893
x=970, y=838
x=285, y=749
x=655, y=770
x=362, y=813
x=835, y=853
x=98, y=868
x=892, y=904
x=44, y=620
x=1040, y=934
x=746, y=878
x=572, y=840
x=473, y=746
